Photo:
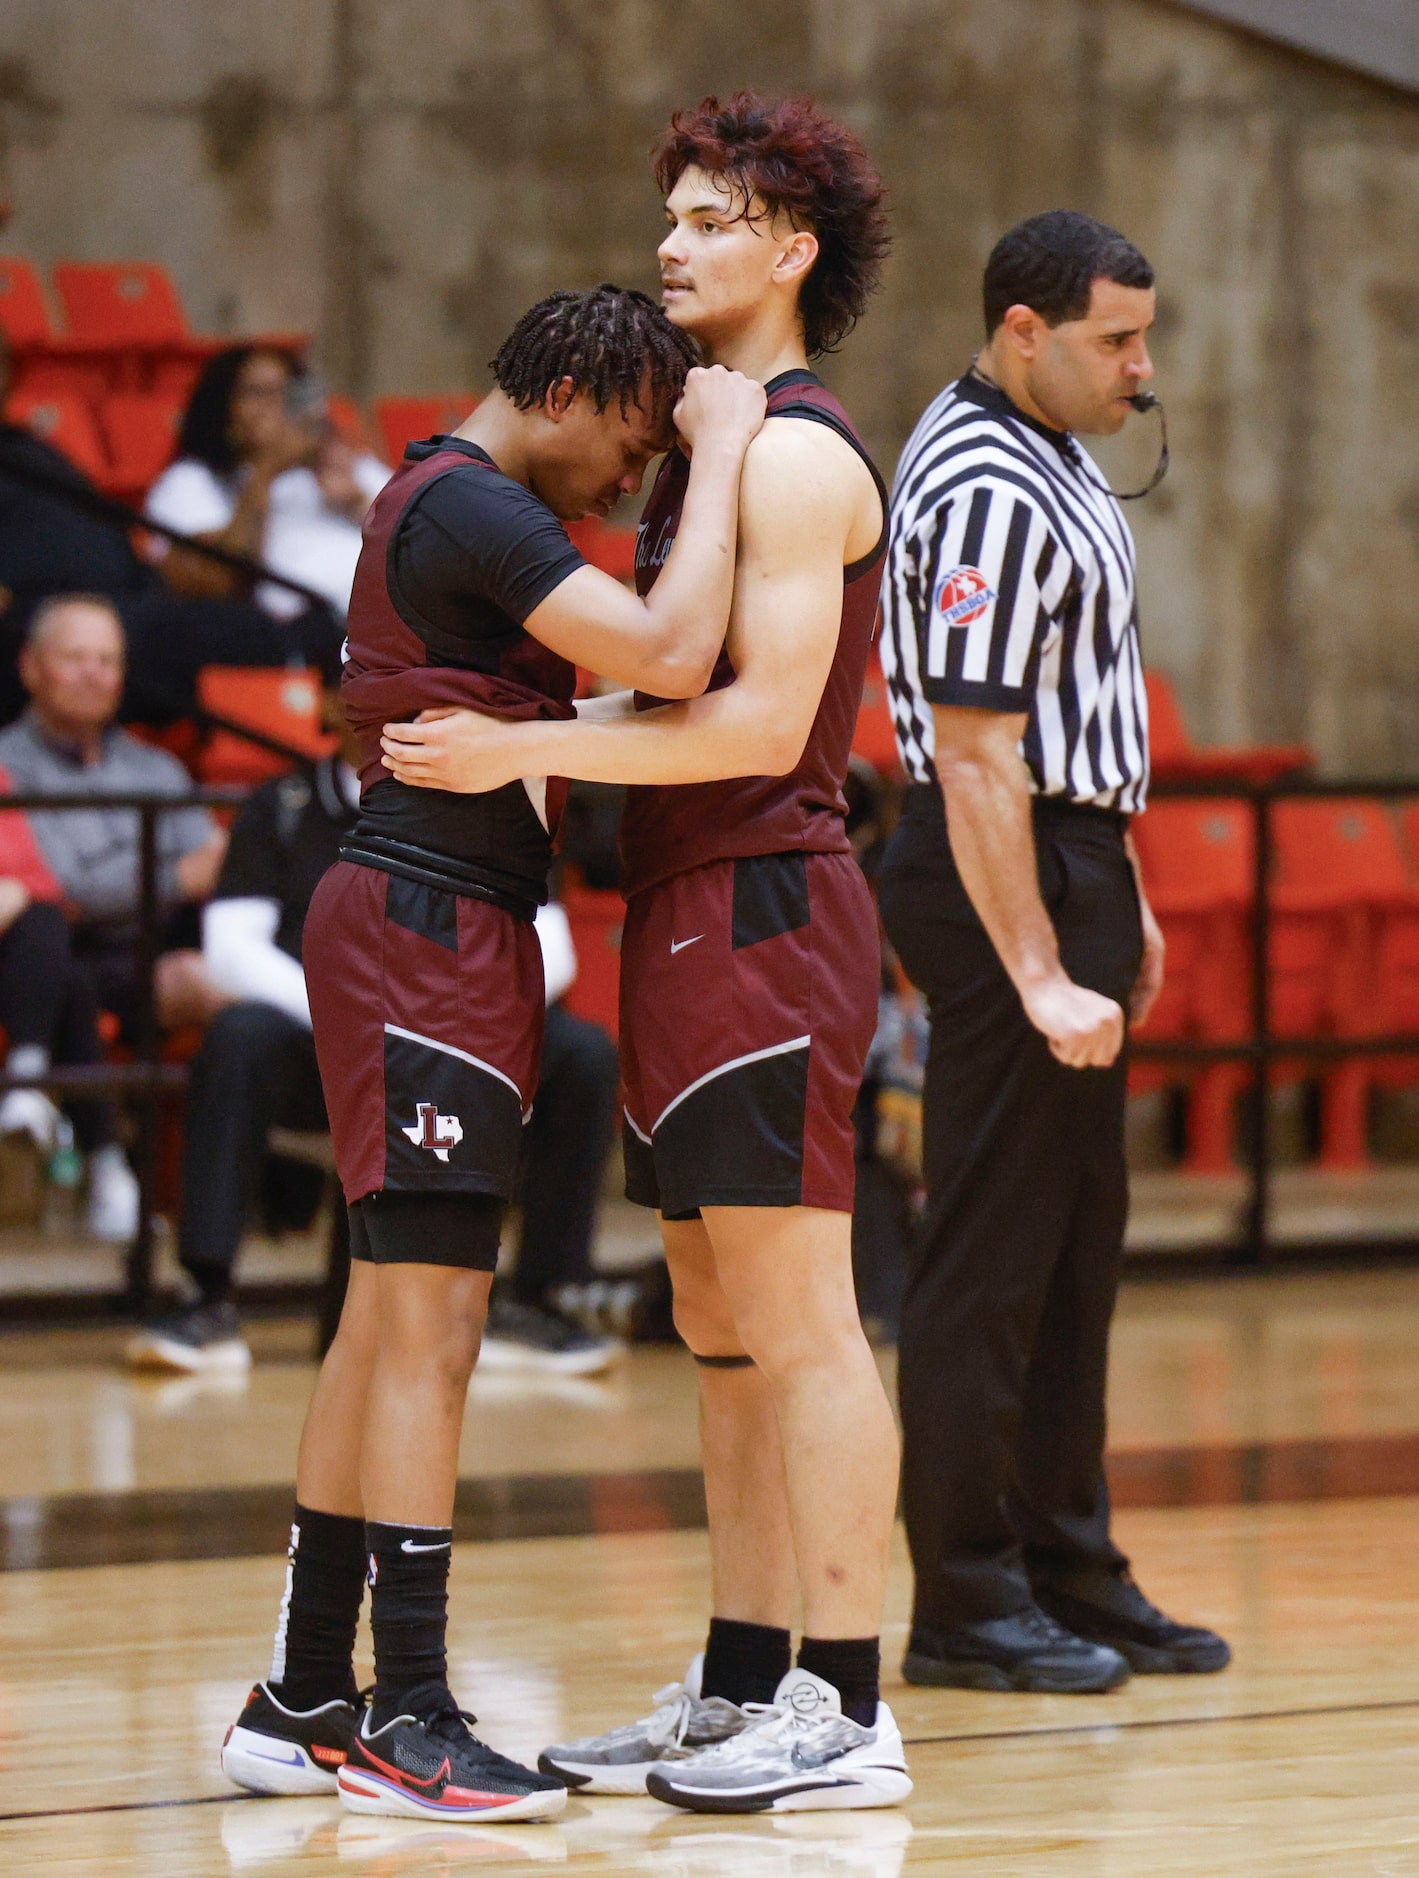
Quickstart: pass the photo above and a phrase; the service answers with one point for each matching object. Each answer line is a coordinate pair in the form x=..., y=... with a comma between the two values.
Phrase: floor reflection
x=637, y=1835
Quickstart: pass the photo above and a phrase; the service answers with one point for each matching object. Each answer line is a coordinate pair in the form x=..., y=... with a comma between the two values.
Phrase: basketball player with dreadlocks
x=749, y=987
x=425, y=981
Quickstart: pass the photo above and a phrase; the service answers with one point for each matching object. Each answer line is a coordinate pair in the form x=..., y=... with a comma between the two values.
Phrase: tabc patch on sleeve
x=963, y=596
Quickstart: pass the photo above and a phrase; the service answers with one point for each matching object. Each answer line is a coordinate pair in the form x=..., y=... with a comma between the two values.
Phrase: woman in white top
x=259, y=472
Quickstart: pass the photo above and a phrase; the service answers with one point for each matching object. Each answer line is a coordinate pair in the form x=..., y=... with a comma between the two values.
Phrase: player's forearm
x=733, y=732
x=992, y=841
x=689, y=603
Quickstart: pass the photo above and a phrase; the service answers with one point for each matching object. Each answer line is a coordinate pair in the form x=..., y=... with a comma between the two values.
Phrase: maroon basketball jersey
x=495, y=845
x=669, y=828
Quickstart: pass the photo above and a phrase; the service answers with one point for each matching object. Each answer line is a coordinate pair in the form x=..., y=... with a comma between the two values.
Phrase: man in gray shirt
x=86, y=861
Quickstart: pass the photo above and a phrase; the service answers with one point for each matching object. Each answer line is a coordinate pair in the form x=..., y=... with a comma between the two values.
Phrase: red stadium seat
x=613, y=550
x=121, y=303
x=596, y=917
x=1399, y=956
x=1341, y=877
x=67, y=424
x=406, y=420
x=348, y=422
x=126, y=320
x=1198, y=859
x=1167, y=733
x=140, y=429
x=284, y=704
x=1174, y=754
x=24, y=316
x=1343, y=912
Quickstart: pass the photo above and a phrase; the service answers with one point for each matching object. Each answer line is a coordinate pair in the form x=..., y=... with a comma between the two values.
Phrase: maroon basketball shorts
x=748, y=1002
x=428, y=1013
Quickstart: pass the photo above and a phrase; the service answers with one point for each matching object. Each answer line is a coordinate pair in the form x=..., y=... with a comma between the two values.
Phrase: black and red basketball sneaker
x=431, y=1765
x=274, y=1749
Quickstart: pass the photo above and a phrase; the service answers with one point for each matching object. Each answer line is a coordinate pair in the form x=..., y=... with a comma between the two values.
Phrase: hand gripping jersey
x=669, y=828
x=455, y=556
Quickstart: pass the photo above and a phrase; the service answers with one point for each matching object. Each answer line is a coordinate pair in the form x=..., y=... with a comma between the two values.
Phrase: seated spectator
x=257, y=1070
x=50, y=1015
x=259, y=472
x=75, y=904
x=52, y=545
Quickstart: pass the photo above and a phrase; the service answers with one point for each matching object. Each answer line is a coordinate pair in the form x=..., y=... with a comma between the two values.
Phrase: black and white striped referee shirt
x=1010, y=585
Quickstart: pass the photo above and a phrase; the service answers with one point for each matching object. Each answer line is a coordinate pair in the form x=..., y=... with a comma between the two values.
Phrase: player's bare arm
x=808, y=507
x=988, y=815
x=668, y=641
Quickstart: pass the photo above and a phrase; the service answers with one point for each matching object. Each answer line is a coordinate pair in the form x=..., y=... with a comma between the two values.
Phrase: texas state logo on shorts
x=962, y=596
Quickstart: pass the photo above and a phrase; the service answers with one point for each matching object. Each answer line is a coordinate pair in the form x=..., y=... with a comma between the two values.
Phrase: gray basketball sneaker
x=684, y=1721
x=800, y=1754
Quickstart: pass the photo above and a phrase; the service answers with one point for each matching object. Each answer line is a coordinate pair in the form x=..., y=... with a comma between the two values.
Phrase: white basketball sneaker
x=684, y=1721
x=113, y=1195
x=799, y=1754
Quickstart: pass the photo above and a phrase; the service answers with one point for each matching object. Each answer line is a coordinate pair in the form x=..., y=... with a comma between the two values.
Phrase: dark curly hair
x=605, y=341
x=798, y=160
x=1050, y=264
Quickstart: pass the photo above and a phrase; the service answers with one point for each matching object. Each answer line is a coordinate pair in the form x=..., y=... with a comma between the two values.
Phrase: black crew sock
x=313, y=1660
x=215, y=1284
x=745, y=1662
x=853, y=1665
x=408, y=1612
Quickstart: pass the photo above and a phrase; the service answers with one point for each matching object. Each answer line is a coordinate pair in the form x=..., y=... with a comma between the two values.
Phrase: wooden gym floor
x=1265, y=1457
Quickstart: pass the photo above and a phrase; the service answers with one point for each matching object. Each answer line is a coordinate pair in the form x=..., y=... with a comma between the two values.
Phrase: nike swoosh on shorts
x=678, y=945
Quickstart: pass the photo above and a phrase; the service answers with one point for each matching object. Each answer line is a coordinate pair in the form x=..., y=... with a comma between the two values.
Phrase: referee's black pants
x=1005, y=1325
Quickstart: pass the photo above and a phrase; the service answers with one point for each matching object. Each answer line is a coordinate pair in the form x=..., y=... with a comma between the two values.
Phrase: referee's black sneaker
x=1108, y=1608
x=1026, y=1651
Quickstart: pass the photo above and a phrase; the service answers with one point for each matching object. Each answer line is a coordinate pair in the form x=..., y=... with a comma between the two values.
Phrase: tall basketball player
x=425, y=983
x=749, y=986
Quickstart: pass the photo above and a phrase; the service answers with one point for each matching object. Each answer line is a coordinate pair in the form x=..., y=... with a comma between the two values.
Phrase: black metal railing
x=1262, y=1049
x=147, y=1081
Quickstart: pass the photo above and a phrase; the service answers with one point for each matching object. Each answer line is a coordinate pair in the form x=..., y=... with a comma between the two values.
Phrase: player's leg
x=752, y=1568
x=297, y=1725
x=430, y=1323
x=787, y=1275
x=434, y=1257
x=829, y=1740
x=749, y=1648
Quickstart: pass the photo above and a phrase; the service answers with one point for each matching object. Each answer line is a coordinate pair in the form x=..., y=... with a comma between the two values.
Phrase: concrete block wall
x=402, y=177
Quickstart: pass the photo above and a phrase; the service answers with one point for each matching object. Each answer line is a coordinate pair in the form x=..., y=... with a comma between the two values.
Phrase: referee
x=1011, y=893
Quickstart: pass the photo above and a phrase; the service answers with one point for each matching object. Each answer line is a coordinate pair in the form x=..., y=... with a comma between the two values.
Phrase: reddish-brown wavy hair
x=796, y=159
